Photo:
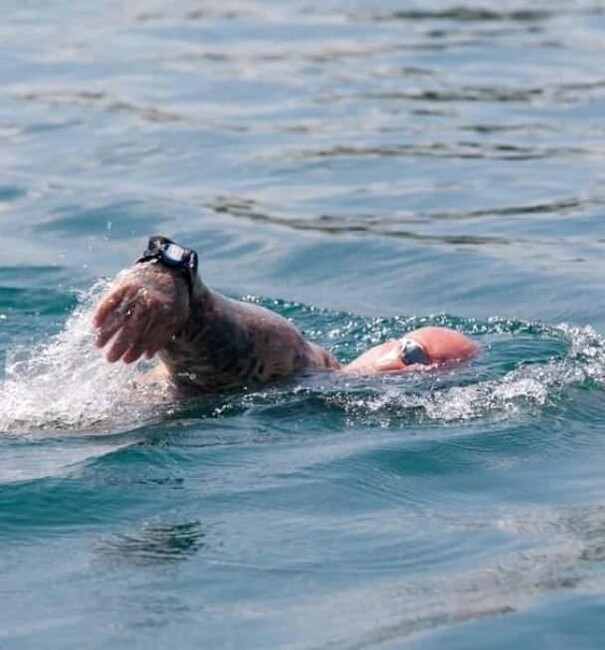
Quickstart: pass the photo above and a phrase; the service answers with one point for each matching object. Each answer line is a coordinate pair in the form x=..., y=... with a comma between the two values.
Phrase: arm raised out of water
x=205, y=341
x=208, y=343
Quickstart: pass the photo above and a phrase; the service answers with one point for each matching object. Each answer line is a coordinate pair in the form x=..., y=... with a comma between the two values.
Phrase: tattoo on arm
x=227, y=344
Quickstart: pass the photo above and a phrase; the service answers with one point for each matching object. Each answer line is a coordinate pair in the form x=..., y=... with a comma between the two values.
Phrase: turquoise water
x=362, y=168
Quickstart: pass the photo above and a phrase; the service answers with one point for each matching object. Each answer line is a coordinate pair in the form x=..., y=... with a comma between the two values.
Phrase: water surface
x=362, y=168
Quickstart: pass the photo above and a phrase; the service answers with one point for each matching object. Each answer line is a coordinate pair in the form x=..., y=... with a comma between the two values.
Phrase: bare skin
x=441, y=345
x=205, y=341
x=209, y=343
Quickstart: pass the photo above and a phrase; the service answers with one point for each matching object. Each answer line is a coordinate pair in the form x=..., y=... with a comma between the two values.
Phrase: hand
x=141, y=313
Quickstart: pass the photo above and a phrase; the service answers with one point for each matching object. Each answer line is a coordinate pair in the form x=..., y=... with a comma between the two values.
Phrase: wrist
x=163, y=251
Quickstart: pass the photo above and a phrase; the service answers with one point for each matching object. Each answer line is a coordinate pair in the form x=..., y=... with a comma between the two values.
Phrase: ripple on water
x=153, y=543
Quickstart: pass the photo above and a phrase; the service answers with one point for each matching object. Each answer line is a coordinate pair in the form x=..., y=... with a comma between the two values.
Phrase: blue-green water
x=363, y=168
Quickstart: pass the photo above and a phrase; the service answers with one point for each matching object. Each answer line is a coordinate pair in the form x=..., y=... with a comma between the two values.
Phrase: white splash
x=527, y=387
x=65, y=383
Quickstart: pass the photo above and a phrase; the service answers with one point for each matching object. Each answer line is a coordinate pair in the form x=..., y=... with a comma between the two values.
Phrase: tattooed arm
x=205, y=341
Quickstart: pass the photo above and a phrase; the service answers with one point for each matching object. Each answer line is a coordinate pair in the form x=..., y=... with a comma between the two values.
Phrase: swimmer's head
x=411, y=353
x=392, y=356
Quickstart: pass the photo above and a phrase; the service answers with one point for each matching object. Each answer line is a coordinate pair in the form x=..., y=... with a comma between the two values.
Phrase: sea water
x=362, y=168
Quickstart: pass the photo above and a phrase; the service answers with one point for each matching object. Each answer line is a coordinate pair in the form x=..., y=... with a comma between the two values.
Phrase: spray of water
x=66, y=384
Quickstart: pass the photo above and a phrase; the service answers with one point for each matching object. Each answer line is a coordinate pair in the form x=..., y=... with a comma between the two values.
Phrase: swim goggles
x=164, y=251
x=412, y=353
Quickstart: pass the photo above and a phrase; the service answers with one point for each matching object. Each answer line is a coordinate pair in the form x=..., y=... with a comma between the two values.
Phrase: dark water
x=363, y=168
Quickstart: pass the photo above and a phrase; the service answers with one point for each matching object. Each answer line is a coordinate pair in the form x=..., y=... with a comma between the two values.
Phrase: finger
x=111, y=327
x=120, y=316
x=150, y=352
x=128, y=336
x=117, y=349
x=143, y=336
x=156, y=334
x=108, y=305
x=133, y=353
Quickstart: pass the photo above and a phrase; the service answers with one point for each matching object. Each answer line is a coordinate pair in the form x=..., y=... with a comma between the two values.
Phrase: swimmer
x=208, y=343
